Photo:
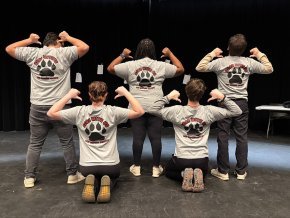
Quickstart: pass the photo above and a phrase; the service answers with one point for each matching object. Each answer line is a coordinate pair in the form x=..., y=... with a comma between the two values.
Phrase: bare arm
x=137, y=109
x=125, y=54
x=54, y=111
x=33, y=38
x=175, y=61
x=82, y=47
x=203, y=64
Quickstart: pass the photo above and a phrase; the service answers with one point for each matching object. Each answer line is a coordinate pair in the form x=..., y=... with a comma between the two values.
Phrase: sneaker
x=135, y=170
x=29, y=182
x=216, y=173
x=156, y=171
x=187, y=180
x=241, y=176
x=72, y=179
x=105, y=192
x=88, y=194
x=198, y=180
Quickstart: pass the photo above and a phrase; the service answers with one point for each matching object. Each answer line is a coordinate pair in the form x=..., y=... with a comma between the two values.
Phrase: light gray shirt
x=50, y=72
x=145, y=78
x=97, y=129
x=192, y=126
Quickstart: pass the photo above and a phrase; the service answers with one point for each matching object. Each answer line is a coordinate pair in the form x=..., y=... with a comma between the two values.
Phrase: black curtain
x=189, y=28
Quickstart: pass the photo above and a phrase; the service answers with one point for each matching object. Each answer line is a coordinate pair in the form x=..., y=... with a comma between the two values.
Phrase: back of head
x=145, y=48
x=237, y=45
x=98, y=91
x=51, y=38
x=195, y=89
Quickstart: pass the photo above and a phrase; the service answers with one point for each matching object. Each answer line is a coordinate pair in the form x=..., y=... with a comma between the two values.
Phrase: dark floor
x=264, y=193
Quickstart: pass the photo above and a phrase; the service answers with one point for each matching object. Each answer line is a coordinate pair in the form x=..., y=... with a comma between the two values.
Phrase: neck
x=97, y=104
x=193, y=104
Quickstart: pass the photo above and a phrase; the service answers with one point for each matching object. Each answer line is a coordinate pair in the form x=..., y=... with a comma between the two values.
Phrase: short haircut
x=237, y=45
x=195, y=89
x=50, y=39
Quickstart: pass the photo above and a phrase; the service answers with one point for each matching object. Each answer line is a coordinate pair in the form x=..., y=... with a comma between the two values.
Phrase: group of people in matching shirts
x=99, y=162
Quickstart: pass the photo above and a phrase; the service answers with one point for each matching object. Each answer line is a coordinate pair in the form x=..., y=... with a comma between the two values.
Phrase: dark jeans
x=140, y=126
x=239, y=126
x=175, y=166
x=40, y=124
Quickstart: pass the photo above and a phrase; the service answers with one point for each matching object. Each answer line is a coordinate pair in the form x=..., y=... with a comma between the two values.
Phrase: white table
x=275, y=112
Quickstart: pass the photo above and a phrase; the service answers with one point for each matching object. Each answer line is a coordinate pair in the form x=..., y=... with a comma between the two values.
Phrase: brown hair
x=97, y=91
x=237, y=45
x=195, y=89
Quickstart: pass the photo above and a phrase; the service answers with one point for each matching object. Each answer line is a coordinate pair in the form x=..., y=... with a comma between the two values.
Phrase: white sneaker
x=156, y=171
x=29, y=182
x=72, y=179
x=241, y=177
x=216, y=173
x=135, y=170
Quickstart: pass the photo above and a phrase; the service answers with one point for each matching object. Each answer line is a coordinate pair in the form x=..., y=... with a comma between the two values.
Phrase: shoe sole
x=222, y=178
x=198, y=181
x=105, y=192
x=187, y=180
x=88, y=194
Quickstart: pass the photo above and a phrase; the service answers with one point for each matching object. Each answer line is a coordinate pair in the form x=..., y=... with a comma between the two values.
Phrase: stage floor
x=264, y=193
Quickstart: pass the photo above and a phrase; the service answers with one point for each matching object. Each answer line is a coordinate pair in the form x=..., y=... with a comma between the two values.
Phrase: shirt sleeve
x=170, y=70
x=70, y=115
x=121, y=114
x=26, y=54
x=122, y=70
x=219, y=113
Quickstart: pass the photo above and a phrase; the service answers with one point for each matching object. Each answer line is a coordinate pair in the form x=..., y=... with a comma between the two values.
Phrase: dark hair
x=237, y=45
x=50, y=39
x=97, y=91
x=145, y=48
x=195, y=89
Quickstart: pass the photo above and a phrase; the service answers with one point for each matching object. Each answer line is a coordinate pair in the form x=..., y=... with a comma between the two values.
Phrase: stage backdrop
x=189, y=28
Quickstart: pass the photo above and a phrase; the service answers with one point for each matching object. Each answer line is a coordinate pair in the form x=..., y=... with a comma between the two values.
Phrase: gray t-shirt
x=50, y=71
x=233, y=74
x=192, y=126
x=97, y=129
x=145, y=78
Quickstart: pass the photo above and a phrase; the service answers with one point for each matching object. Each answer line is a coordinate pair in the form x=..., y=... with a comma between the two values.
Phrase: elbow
x=86, y=48
x=199, y=69
x=110, y=69
x=239, y=112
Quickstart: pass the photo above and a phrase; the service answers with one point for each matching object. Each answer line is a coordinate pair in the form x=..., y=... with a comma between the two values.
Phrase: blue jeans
x=39, y=127
x=239, y=126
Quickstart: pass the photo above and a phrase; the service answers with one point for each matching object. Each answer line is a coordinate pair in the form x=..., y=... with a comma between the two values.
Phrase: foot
x=135, y=170
x=216, y=173
x=156, y=171
x=105, y=192
x=88, y=194
x=29, y=182
x=198, y=180
x=72, y=179
x=187, y=180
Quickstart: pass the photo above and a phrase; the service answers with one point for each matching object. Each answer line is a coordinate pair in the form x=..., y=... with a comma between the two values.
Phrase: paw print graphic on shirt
x=194, y=129
x=145, y=78
x=95, y=131
x=46, y=68
x=235, y=76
